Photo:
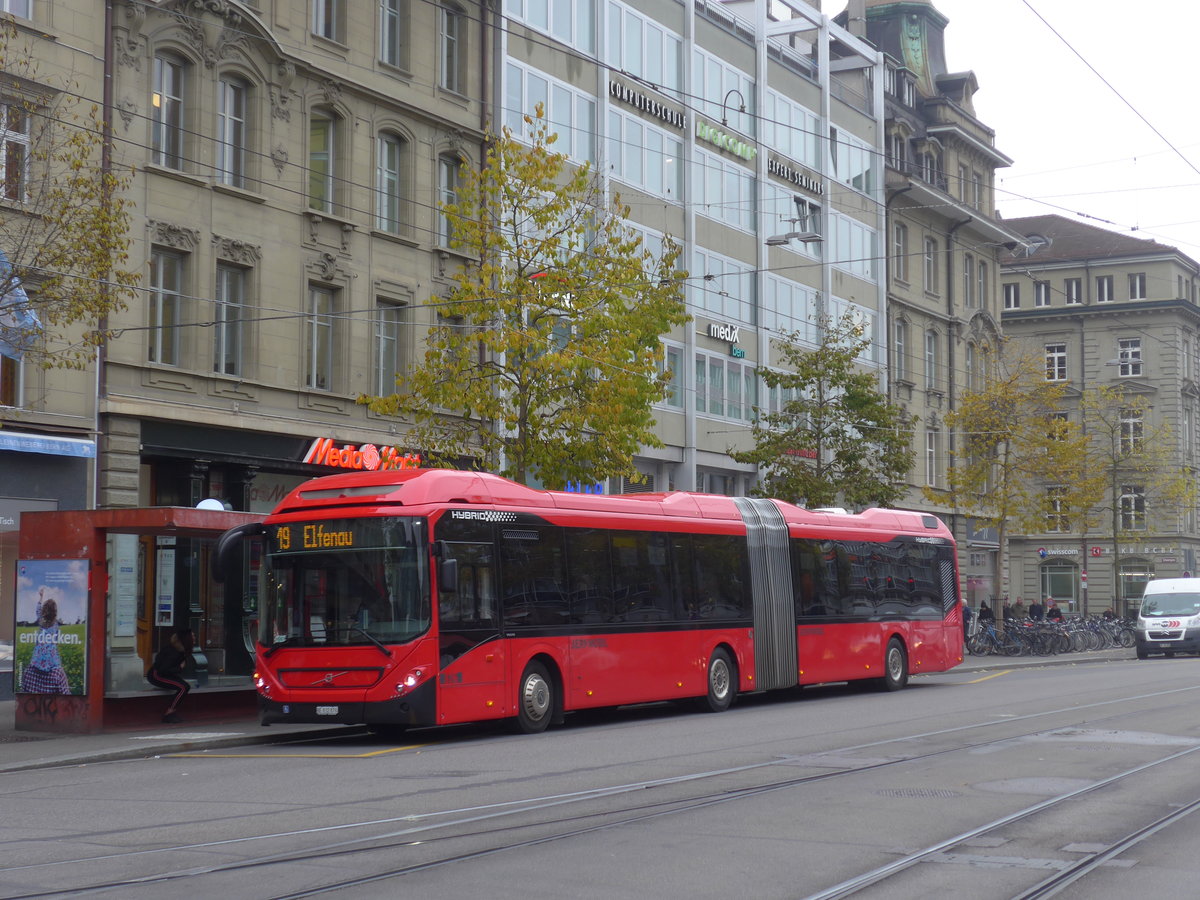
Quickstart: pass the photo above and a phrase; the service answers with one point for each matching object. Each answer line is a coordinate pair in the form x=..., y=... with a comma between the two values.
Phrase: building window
x=713, y=78
x=931, y=360
x=964, y=183
x=982, y=294
x=392, y=14
x=726, y=287
x=388, y=184
x=14, y=152
x=19, y=8
x=1129, y=357
x=228, y=318
x=318, y=339
x=231, y=132
x=637, y=44
x=571, y=114
x=933, y=440
x=647, y=157
x=1056, y=362
x=725, y=189
x=1104, y=288
x=11, y=373
x=1137, y=286
x=1073, y=289
x=322, y=134
x=1057, y=520
x=1132, y=430
x=327, y=19
x=725, y=388
x=976, y=190
x=391, y=323
x=454, y=34
x=166, y=306
x=167, y=112
x=448, y=167
x=1186, y=435
x=972, y=361
x=968, y=280
x=1060, y=426
x=897, y=151
x=900, y=356
x=1012, y=295
x=1041, y=293
x=670, y=366
x=900, y=251
x=931, y=268
x=1133, y=507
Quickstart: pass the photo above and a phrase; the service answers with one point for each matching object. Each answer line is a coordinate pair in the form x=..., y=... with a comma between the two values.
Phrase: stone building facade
x=944, y=249
x=1104, y=308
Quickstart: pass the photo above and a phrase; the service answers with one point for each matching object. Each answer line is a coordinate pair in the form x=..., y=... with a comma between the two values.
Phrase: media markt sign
x=728, y=142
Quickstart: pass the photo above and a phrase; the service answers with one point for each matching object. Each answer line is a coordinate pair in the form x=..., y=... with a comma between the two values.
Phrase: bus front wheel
x=722, y=686
x=535, y=699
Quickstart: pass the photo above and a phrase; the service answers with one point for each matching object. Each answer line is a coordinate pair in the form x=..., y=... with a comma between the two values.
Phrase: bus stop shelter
x=100, y=591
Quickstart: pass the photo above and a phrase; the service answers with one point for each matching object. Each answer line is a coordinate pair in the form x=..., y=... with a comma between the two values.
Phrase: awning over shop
x=51, y=446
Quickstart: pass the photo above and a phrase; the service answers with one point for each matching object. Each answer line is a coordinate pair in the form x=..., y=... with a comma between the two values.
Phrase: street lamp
x=725, y=105
x=804, y=236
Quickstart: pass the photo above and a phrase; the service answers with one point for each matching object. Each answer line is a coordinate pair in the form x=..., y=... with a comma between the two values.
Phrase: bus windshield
x=344, y=582
x=1183, y=603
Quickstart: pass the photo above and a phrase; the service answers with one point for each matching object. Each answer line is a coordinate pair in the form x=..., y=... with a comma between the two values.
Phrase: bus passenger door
x=471, y=670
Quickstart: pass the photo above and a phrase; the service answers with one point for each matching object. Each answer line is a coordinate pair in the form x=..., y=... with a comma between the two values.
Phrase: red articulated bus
x=432, y=597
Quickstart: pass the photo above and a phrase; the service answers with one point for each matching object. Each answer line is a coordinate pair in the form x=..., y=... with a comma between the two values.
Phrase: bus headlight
x=409, y=682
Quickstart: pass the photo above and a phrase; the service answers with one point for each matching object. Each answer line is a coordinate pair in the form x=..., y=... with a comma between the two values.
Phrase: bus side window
x=533, y=576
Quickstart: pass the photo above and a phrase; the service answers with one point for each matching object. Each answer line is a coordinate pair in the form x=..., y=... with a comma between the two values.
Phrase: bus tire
x=722, y=681
x=535, y=699
x=895, y=666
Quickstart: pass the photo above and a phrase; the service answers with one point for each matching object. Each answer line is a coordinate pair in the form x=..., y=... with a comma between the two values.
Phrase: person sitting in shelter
x=166, y=671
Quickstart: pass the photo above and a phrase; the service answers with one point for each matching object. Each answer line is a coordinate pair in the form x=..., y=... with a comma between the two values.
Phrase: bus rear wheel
x=535, y=699
x=722, y=683
x=895, y=666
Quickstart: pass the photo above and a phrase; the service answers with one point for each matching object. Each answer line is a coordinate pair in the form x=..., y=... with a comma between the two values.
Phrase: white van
x=1169, y=617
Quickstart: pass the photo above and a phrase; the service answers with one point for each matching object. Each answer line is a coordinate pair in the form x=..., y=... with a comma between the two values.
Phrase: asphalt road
x=979, y=783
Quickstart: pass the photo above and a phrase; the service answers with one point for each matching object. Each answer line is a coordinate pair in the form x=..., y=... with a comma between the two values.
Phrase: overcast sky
x=1078, y=145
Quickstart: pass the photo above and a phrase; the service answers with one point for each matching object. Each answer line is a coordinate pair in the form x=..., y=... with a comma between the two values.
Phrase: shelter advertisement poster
x=50, y=656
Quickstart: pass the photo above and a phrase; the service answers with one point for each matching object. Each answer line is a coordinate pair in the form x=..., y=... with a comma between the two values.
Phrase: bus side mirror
x=229, y=548
x=448, y=575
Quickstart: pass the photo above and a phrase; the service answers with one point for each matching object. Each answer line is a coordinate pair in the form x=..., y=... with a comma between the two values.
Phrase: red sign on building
x=354, y=456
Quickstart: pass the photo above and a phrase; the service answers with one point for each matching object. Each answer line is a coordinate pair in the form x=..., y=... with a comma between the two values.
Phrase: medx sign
x=724, y=332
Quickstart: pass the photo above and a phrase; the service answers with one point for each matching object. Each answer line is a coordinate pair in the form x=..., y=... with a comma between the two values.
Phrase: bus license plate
x=327, y=710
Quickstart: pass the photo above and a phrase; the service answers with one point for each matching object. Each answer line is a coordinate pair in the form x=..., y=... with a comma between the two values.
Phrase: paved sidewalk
x=25, y=750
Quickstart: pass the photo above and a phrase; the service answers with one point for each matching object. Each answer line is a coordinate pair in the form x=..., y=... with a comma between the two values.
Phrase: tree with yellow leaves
x=1134, y=467
x=1013, y=446
x=64, y=221
x=547, y=358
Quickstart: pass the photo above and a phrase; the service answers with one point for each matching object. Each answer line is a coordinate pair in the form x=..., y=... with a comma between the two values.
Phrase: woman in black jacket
x=166, y=671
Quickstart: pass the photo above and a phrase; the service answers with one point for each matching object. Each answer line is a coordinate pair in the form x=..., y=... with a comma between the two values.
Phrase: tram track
x=502, y=829
x=868, y=879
